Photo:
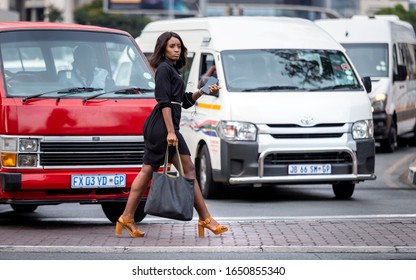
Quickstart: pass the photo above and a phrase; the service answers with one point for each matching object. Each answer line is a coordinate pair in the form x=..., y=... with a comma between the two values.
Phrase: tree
x=93, y=14
x=54, y=14
x=401, y=12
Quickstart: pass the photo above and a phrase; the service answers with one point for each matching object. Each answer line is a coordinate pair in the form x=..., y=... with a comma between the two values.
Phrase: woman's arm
x=197, y=94
x=190, y=98
x=167, y=118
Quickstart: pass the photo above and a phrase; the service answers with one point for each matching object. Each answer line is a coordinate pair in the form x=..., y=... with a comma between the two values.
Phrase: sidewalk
x=385, y=234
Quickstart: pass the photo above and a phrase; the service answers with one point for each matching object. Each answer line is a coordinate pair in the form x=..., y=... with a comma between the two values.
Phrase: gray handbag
x=171, y=196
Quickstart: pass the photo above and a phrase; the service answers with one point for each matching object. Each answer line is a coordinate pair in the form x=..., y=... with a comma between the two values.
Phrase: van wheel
x=343, y=190
x=24, y=208
x=209, y=188
x=113, y=210
x=389, y=145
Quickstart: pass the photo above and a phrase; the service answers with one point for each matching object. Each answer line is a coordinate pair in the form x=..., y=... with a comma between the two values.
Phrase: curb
x=212, y=249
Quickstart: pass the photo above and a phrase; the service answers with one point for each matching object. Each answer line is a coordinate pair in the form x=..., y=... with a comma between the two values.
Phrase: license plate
x=98, y=181
x=308, y=169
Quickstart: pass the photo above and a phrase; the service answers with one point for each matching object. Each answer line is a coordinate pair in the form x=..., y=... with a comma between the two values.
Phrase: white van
x=292, y=108
x=384, y=48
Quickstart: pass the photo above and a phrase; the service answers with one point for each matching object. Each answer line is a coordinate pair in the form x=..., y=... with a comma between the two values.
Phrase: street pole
x=171, y=9
x=202, y=8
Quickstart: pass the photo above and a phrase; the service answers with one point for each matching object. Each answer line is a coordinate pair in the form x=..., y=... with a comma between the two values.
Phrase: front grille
x=296, y=125
x=91, y=153
x=307, y=135
x=300, y=158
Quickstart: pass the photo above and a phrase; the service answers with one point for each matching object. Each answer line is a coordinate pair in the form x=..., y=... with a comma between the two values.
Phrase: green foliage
x=93, y=14
x=53, y=14
x=401, y=12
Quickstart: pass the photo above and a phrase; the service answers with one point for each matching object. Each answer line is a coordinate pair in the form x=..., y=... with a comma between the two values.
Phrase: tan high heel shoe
x=129, y=225
x=219, y=229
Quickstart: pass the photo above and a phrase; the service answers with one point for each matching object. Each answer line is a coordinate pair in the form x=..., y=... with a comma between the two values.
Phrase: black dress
x=169, y=92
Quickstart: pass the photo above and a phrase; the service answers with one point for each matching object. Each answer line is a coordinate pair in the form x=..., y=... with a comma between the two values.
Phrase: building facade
x=37, y=10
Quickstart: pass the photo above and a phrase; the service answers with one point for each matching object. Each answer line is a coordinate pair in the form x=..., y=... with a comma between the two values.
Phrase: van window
x=206, y=69
x=395, y=62
x=185, y=70
x=408, y=59
x=369, y=59
x=207, y=61
x=280, y=70
x=23, y=59
x=41, y=62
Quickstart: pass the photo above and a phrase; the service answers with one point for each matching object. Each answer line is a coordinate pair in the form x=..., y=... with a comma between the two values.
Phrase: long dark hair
x=160, y=49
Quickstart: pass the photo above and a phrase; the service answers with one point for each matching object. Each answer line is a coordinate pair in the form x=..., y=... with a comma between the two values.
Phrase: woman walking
x=168, y=57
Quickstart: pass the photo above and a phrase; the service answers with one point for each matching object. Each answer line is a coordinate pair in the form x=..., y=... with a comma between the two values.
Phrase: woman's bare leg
x=138, y=188
x=199, y=203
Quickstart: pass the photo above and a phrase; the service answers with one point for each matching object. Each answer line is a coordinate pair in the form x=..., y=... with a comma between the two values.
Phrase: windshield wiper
x=268, y=88
x=79, y=89
x=337, y=87
x=60, y=91
x=132, y=90
x=75, y=90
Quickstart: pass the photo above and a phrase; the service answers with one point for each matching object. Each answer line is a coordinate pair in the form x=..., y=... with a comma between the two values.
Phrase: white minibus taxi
x=291, y=110
x=384, y=48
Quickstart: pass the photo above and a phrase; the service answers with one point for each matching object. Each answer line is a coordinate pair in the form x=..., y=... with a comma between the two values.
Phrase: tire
x=24, y=208
x=389, y=145
x=113, y=210
x=343, y=190
x=209, y=188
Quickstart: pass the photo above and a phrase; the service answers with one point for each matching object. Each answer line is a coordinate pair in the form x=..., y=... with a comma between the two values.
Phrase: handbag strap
x=165, y=168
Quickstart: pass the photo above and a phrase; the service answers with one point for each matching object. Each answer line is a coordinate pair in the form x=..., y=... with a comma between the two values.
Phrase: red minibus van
x=64, y=141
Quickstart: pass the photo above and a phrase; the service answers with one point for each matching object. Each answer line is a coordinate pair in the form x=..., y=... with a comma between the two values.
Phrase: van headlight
x=28, y=145
x=237, y=131
x=9, y=144
x=19, y=152
x=363, y=129
x=378, y=104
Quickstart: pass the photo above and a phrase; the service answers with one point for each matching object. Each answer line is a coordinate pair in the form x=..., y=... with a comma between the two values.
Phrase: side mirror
x=401, y=73
x=367, y=83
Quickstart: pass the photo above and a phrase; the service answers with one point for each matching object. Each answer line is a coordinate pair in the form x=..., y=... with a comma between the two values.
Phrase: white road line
x=392, y=168
x=152, y=220
x=208, y=249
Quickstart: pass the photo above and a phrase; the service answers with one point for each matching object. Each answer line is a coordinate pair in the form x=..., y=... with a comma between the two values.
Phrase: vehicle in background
x=292, y=109
x=384, y=48
x=64, y=145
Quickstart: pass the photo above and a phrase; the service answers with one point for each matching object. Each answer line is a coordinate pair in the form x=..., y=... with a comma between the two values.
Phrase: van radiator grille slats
x=299, y=158
x=296, y=125
x=308, y=135
x=91, y=153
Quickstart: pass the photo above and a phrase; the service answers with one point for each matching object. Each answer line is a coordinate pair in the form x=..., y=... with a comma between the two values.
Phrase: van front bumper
x=55, y=188
x=241, y=164
x=382, y=124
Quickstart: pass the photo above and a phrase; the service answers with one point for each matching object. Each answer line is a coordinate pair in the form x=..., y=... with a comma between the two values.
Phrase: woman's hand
x=214, y=89
x=172, y=139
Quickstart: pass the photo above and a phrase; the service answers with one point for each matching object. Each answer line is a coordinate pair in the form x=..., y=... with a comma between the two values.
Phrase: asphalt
x=346, y=234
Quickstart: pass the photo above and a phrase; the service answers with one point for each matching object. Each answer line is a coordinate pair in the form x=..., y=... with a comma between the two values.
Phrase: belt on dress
x=177, y=103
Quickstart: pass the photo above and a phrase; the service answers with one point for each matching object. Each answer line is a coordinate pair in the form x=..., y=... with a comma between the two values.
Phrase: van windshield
x=282, y=70
x=56, y=64
x=369, y=59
